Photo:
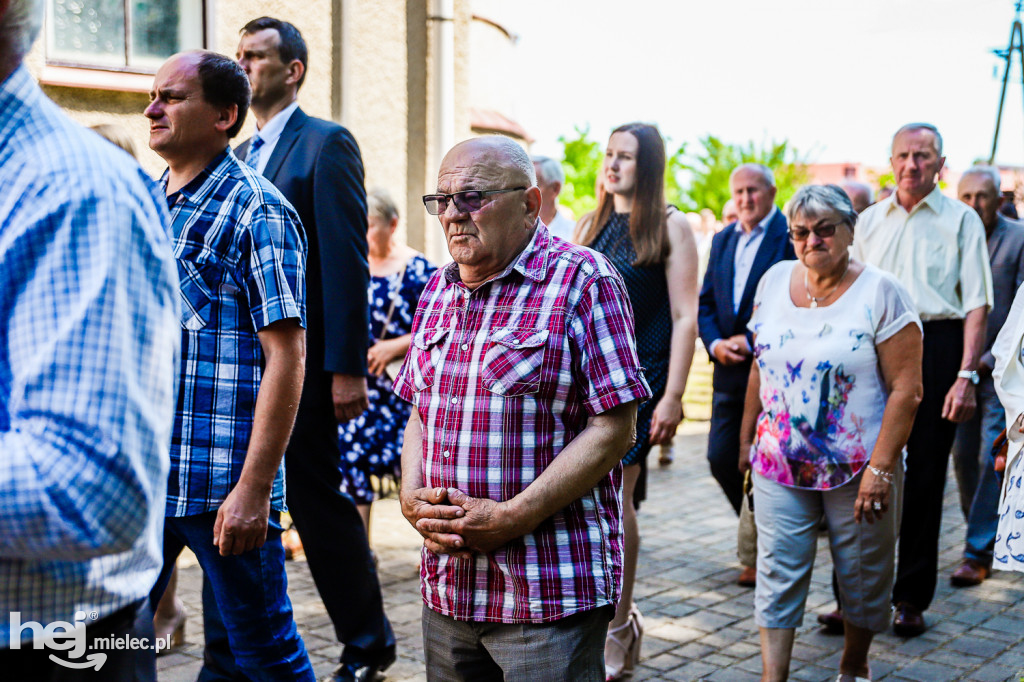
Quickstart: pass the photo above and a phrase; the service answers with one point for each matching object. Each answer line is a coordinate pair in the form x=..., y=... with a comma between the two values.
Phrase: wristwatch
x=970, y=375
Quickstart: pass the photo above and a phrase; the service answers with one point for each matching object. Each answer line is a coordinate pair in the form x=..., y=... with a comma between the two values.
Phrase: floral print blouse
x=822, y=391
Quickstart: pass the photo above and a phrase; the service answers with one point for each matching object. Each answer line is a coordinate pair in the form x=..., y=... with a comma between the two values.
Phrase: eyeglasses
x=823, y=231
x=466, y=202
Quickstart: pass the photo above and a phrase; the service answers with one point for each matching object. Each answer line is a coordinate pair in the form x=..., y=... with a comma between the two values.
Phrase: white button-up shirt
x=937, y=251
x=271, y=133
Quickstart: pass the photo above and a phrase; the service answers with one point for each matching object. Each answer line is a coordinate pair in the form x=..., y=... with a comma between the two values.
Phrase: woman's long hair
x=647, y=228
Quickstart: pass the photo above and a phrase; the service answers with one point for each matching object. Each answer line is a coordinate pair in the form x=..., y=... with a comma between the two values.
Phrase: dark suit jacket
x=317, y=166
x=715, y=318
x=1006, y=255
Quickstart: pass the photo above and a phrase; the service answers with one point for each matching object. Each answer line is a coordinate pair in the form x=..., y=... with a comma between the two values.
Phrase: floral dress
x=822, y=392
x=371, y=444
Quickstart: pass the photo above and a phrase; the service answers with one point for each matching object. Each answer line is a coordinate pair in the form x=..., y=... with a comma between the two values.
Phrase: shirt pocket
x=513, y=361
x=196, y=293
x=424, y=356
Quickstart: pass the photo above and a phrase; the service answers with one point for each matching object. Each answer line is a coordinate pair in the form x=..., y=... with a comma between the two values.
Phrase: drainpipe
x=444, y=77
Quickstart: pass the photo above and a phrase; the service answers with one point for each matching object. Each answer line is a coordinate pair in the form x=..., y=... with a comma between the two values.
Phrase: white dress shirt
x=561, y=227
x=937, y=251
x=271, y=133
x=747, y=244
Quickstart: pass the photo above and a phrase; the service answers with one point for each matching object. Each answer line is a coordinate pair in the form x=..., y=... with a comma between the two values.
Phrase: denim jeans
x=978, y=482
x=251, y=593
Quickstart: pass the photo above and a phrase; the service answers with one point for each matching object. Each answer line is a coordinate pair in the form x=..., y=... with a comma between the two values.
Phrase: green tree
x=710, y=167
x=581, y=161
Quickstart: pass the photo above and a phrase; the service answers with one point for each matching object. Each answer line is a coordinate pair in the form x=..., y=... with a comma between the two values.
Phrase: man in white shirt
x=936, y=248
x=550, y=179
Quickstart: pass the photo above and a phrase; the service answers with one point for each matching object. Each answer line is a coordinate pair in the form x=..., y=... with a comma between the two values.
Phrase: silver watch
x=969, y=374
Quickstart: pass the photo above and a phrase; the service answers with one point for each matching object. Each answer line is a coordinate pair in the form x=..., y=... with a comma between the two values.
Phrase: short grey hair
x=20, y=28
x=911, y=127
x=518, y=158
x=550, y=170
x=379, y=203
x=813, y=201
x=990, y=172
x=764, y=171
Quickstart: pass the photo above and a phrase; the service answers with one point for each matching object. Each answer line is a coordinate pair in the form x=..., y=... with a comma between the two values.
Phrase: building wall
x=372, y=68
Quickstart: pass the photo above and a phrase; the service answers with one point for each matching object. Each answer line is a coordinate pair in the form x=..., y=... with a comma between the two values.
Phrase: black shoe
x=909, y=621
x=832, y=622
x=359, y=672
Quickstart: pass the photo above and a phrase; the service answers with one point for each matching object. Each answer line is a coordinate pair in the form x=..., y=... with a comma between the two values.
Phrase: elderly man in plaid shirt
x=524, y=379
x=241, y=257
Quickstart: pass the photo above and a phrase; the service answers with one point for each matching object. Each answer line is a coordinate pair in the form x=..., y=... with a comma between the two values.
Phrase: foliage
x=710, y=167
x=581, y=161
x=692, y=182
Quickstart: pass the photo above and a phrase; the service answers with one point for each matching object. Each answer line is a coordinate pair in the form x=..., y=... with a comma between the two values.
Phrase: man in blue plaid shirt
x=88, y=350
x=241, y=257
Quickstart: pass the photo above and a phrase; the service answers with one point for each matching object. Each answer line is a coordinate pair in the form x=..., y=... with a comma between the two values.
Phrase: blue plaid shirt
x=241, y=254
x=88, y=353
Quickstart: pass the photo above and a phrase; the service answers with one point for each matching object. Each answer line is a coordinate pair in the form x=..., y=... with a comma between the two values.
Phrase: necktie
x=253, y=157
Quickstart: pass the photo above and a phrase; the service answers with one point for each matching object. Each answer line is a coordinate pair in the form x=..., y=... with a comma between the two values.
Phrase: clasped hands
x=452, y=522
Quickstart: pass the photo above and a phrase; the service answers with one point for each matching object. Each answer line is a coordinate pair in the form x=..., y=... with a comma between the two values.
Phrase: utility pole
x=1016, y=45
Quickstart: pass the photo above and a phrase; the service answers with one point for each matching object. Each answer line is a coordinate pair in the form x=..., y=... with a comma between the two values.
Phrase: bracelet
x=886, y=476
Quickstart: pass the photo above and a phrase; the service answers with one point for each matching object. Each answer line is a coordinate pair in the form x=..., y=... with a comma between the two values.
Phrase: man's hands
x=349, y=394
x=462, y=527
x=241, y=522
x=960, y=401
x=733, y=350
x=430, y=503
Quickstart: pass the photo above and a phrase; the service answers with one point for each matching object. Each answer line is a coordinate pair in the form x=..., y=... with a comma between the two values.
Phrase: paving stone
x=984, y=648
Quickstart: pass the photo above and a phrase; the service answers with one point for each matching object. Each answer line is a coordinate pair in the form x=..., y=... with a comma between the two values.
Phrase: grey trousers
x=864, y=554
x=564, y=650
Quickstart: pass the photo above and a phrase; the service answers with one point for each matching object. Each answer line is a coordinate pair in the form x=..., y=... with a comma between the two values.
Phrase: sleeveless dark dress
x=647, y=288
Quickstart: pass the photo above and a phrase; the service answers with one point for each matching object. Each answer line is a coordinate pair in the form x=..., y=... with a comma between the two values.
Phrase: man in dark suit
x=740, y=254
x=317, y=165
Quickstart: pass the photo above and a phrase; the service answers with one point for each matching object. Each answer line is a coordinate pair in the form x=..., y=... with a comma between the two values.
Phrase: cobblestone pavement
x=700, y=624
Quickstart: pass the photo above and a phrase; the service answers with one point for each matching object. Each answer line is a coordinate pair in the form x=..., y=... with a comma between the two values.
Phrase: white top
x=562, y=227
x=271, y=133
x=1008, y=376
x=822, y=391
x=937, y=251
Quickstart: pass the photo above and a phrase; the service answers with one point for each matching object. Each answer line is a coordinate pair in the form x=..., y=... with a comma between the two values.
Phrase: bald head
x=491, y=157
x=860, y=193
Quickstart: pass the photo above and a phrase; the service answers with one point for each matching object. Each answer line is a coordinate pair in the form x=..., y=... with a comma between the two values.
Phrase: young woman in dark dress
x=655, y=251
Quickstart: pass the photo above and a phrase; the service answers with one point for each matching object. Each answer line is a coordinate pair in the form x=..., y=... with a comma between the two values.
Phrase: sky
x=834, y=79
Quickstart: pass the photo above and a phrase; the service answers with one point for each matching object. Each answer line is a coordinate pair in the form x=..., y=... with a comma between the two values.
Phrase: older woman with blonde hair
x=830, y=402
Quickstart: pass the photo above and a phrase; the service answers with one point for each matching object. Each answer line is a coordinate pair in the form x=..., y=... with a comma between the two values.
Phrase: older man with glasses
x=524, y=381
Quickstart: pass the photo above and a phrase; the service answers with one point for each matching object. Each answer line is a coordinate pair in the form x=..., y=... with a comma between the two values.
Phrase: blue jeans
x=978, y=482
x=251, y=594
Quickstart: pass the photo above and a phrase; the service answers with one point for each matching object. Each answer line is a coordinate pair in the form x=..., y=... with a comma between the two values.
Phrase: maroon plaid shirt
x=504, y=377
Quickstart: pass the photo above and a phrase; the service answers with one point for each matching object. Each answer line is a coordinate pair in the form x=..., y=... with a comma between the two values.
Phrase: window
x=125, y=35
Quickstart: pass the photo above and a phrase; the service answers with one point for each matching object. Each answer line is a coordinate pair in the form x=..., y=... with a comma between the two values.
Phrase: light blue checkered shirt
x=89, y=339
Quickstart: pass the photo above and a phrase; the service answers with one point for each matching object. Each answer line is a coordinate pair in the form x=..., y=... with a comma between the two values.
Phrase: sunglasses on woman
x=823, y=231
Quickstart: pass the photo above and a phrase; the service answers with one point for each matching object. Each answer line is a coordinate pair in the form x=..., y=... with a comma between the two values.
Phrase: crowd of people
x=186, y=359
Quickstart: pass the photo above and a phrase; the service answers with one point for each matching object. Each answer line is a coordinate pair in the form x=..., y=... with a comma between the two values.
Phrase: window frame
x=128, y=68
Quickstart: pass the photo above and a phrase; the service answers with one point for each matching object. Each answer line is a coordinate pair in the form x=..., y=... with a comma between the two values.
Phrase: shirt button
x=455, y=401
x=465, y=346
x=515, y=342
x=447, y=453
